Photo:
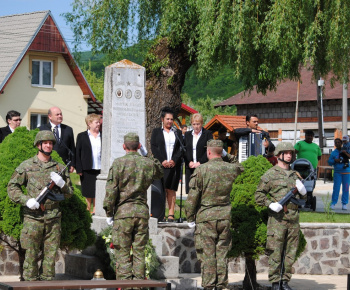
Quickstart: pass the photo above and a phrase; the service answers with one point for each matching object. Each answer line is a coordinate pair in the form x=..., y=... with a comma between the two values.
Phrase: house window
x=36, y=120
x=42, y=71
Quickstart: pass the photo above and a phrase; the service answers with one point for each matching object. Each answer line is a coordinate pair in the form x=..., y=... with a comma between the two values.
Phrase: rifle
x=290, y=196
x=46, y=192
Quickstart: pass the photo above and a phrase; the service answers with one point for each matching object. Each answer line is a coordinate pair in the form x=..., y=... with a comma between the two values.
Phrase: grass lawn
x=321, y=217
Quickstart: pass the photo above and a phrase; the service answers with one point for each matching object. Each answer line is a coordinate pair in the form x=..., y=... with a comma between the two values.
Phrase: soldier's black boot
x=275, y=286
x=285, y=286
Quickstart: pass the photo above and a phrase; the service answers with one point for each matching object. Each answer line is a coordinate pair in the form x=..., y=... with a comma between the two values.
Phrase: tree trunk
x=166, y=69
x=249, y=282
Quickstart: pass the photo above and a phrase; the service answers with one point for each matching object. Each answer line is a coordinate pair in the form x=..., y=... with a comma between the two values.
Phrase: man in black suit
x=64, y=146
x=13, y=120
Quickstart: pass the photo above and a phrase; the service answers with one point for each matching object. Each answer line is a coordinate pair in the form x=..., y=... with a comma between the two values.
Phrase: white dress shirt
x=194, y=142
x=96, y=150
x=169, y=139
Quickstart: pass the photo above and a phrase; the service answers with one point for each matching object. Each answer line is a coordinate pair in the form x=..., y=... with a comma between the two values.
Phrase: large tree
x=264, y=41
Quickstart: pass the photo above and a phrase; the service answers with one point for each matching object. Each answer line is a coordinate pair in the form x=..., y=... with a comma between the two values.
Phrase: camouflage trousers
x=280, y=233
x=213, y=241
x=37, y=236
x=129, y=232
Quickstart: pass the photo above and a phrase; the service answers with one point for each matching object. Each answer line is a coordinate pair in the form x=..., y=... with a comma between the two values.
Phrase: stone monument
x=123, y=112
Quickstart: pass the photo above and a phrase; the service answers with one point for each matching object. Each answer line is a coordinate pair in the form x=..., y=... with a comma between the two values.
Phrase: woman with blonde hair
x=195, y=142
x=88, y=158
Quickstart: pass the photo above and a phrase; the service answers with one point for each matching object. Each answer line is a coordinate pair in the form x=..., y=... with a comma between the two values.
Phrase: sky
x=57, y=7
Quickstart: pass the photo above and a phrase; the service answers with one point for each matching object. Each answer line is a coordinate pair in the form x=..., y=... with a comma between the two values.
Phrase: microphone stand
x=183, y=151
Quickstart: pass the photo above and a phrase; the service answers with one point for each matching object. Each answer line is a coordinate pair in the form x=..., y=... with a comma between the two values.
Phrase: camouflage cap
x=131, y=137
x=284, y=146
x=215, y=143
x=44, y=136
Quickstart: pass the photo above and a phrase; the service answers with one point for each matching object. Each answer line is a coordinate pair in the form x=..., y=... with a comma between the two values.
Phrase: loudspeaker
x=158, y=199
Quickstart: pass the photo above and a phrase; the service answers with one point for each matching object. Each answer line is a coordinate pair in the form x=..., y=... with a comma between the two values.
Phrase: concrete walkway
x=298, y=282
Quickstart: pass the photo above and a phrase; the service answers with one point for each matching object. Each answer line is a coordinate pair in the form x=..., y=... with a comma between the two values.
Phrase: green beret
x=131, y=137
x=215, y=143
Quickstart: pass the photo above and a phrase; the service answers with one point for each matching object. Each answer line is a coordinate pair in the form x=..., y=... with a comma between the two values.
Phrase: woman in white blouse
x=88, y=158
x=165, y=147
x=196, y=142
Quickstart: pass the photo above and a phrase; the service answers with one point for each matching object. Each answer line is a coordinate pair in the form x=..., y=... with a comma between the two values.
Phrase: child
x=345, y=151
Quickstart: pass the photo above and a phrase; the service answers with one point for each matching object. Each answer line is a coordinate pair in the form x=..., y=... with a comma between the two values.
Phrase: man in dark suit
x=13, y=120
x=64, y=146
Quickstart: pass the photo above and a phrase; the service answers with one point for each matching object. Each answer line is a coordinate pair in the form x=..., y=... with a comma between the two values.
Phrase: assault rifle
x=290, y=197
x=46, y=192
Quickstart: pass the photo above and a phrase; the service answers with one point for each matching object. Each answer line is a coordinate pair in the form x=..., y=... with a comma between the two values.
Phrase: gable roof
x=35, y=31
x=188, y=109
x=229, y=122
x=287, y=92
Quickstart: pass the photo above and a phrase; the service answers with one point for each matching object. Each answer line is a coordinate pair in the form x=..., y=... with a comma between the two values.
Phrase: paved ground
x=298, y=282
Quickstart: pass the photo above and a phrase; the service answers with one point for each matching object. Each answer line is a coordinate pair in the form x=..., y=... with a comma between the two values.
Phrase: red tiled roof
x=229, y=122
x=287, y=92
x=188, y=109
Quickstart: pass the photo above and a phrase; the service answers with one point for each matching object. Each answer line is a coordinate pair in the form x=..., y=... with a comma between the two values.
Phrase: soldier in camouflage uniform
x=42, y=223
x=208, y=206
x=283, y=226
x=126, y=206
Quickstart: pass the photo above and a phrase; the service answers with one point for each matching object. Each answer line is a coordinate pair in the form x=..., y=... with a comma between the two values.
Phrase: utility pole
x=320, y=85
x=345, y=110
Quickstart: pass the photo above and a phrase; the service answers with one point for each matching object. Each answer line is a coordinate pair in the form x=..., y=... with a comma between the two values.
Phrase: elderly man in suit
x=64, y=146
x=13, y=120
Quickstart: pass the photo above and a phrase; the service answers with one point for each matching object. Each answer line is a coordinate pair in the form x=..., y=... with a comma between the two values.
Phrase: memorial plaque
x=123, y=112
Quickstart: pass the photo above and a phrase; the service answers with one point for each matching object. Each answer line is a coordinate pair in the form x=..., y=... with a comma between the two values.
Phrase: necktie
x=55, y=132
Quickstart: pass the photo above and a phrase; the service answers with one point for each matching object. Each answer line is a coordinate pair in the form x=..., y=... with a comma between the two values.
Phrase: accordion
x=251, y=144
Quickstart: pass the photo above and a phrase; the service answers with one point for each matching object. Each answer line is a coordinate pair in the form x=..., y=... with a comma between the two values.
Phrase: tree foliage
x=75, y=228
x=264, y=41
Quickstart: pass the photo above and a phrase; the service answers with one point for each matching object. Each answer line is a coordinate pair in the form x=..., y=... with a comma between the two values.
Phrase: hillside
x=218, y=88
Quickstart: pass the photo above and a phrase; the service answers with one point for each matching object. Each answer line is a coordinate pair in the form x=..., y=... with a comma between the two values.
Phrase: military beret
x=215, y=143
x=131, y=137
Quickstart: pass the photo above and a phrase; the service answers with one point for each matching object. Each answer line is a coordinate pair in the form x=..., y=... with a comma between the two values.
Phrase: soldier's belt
x=292, y=206
x=51, y=206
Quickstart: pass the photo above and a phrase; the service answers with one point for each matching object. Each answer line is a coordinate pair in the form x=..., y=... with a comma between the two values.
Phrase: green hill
x=195, y=90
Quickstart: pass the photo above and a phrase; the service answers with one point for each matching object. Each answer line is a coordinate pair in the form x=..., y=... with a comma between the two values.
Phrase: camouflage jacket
x=210, y=188
x=128, y=180
x=273, y=186
x=35, y=175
